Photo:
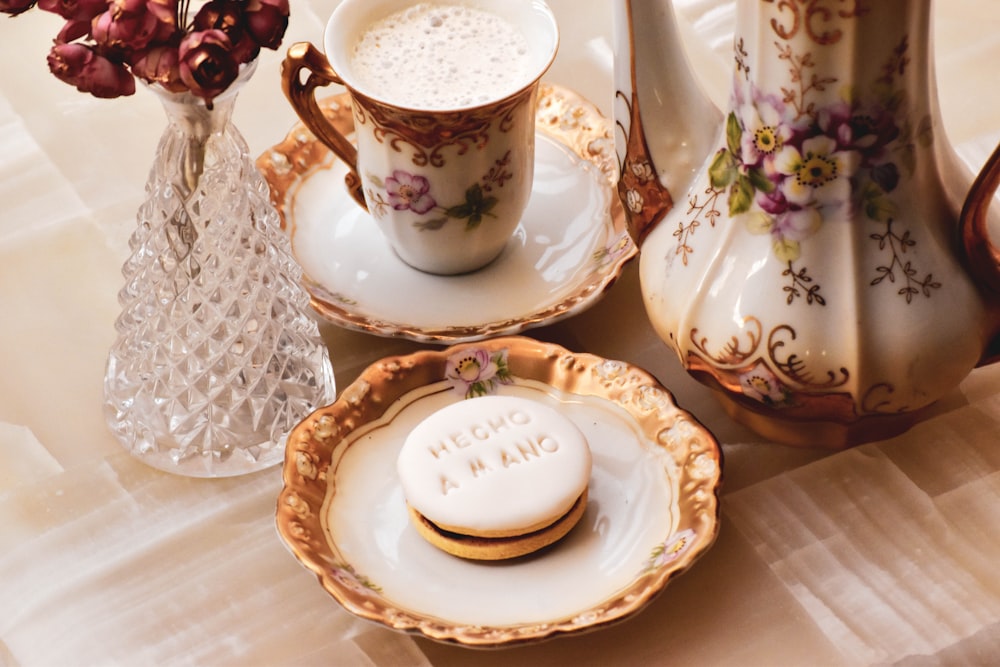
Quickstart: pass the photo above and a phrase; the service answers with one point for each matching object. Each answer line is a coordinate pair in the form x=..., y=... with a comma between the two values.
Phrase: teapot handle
x=982, y=254
x=303, y=56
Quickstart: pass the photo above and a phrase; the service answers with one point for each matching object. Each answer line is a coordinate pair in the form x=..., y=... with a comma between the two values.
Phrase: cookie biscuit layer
x=495, y=467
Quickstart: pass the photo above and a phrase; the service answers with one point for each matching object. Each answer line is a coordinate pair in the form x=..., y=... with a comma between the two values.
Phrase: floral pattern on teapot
x=790, y=164
x=800, y=247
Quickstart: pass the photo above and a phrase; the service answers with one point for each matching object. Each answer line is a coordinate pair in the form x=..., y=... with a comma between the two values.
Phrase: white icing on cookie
x=494, y=463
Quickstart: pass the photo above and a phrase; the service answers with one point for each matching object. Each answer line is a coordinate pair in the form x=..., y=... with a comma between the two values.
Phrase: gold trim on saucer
x=669, y=440
x=562, y=115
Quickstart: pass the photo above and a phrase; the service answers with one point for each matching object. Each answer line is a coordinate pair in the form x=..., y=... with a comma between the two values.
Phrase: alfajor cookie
x=495, y=477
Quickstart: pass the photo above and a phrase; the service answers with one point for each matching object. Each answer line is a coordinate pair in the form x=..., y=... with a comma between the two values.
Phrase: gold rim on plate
x=354, y=543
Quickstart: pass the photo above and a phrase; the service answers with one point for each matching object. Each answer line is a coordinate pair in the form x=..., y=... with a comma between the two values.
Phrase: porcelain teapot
x=804, y=251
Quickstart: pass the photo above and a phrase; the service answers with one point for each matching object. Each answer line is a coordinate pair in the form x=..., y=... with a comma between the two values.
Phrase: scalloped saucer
x=568, y=250
x=653, y=505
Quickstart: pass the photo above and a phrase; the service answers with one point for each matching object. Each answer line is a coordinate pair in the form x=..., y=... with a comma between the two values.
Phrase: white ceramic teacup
x=447, y=186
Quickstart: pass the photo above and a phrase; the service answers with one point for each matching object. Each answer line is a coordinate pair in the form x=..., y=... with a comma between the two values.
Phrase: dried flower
x=104, y=45
x=159, y=65
x=228, y=16
x=266, y=21
x=79, y=65
x=15, y=7
x=74, y=10
x=207, y=66
x=127, y=26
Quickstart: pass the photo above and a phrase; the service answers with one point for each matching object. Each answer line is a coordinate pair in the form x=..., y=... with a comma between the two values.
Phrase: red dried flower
x=266, y=21
x=159, y=65
x=227, y=16
x=206, y=62
x=127, y=25
x=105, y=44
x=15, y=7
x=74, y=10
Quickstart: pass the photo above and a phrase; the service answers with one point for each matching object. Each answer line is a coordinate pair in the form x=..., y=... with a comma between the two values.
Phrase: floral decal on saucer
x=670, y=550
x=347, y=576
x=617, y=249
x=403, y=191
x=475, y=372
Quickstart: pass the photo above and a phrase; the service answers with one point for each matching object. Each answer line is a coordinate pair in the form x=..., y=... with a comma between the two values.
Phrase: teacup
x=445, y=168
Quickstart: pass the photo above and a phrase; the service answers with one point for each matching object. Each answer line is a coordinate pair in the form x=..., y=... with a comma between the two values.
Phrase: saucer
x=568, y=250
x=653, y=505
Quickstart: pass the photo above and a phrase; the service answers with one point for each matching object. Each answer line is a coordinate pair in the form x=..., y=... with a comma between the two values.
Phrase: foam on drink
x=439, y=56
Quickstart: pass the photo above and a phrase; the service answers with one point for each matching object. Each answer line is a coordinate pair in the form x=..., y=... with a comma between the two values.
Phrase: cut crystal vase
x=217, y=356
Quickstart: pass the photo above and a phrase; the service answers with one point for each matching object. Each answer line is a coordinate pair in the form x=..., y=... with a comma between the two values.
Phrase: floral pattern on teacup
x=405, y=191
x=409, y=192
x=475, y=372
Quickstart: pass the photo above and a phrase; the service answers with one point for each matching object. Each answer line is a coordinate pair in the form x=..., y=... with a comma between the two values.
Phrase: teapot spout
x=665, y=123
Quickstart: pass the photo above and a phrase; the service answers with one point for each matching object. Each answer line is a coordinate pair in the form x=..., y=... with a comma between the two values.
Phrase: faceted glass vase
x=217, y=356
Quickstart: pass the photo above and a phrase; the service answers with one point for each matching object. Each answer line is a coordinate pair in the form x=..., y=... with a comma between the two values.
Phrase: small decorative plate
x=568, y=250
x=653, y=505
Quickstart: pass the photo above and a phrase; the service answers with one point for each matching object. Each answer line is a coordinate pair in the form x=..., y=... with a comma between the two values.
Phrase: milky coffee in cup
x=436, y=56
x=443, y=97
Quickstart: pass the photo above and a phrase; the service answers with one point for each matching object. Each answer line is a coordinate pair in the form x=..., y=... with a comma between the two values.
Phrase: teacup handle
x=983, y=255
x=302, y=95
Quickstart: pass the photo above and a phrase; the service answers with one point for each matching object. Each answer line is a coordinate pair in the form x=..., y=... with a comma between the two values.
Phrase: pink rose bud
x=107, y=79
x=78, y=65
x=67, y=61
x=126, y=25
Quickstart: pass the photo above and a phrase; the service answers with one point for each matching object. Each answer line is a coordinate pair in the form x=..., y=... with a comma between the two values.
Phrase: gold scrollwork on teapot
x=810, y=271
